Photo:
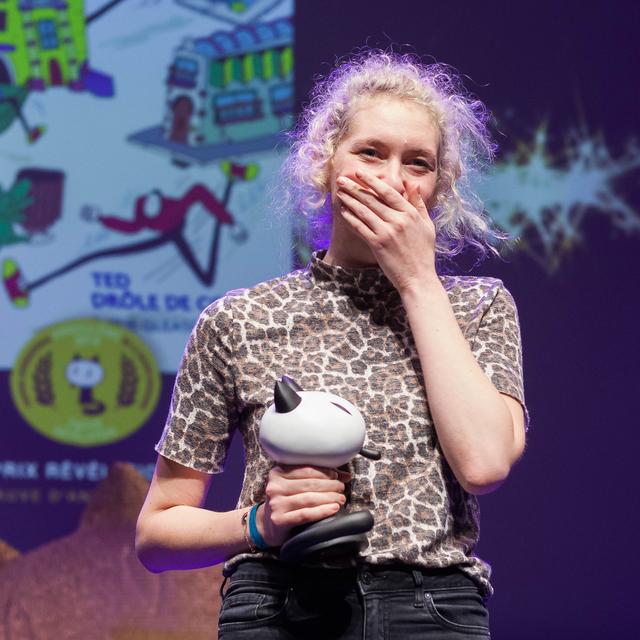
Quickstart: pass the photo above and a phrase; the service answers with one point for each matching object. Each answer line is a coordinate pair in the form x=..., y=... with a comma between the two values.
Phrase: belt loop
x=418, y=602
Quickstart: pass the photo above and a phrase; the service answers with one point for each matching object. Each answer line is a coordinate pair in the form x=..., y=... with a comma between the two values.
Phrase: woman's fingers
x=288, y=511
x=291, y=487
x=307, y=514
x=307, y=499
x=293, y=480
x=415, y=198
x=369, y=200
x=377, y=211
x=384, y=192
x=362, y=219
x=294, y=472
x=297, y=494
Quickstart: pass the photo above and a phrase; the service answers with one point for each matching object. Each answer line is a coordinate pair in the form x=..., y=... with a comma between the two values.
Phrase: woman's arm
x=480, y=430
x=175, y=532
x=481, y=433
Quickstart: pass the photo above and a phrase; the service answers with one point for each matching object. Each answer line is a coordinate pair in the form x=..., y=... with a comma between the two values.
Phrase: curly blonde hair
x=465, y=144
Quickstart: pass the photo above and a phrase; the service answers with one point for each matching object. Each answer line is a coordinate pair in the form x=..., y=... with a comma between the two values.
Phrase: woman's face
x=394, y=139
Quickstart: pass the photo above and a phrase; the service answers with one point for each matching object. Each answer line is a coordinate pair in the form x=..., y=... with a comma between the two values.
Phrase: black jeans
x=274, y=601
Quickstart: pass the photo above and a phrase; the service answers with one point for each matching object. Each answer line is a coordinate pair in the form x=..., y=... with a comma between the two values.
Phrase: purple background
x=561, y=533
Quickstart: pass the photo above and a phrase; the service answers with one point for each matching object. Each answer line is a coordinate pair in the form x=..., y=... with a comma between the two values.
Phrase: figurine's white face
x=84, y=373
x=323, y=430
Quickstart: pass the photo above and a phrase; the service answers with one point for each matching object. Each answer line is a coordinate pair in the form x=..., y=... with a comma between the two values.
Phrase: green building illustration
x=43, y=44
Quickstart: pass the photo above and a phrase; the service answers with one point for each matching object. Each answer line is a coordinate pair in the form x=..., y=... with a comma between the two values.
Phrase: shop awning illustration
x=228, y=94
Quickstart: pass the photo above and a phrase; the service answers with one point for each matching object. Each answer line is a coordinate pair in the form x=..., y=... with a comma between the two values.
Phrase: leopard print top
x=345, y=331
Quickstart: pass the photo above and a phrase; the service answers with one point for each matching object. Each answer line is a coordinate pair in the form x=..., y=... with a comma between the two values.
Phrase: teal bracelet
x=254, y=534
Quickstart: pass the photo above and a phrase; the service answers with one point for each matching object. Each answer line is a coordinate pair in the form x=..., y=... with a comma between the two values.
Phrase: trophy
x=325, y=430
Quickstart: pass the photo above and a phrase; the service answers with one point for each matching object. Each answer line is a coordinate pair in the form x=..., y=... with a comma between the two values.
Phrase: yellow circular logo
x=85, y=382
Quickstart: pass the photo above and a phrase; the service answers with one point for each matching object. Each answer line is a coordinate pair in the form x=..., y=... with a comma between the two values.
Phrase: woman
x=432, y=361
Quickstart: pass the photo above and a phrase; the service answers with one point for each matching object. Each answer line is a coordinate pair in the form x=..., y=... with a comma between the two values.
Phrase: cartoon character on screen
x=321, y=429
x=86, y=374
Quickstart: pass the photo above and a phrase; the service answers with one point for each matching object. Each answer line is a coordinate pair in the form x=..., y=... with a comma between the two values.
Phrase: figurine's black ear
x=285, y=396
x=292, y=383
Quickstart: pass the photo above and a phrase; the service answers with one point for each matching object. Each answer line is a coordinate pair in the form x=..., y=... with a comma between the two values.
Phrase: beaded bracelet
x=252, y=535
x=245, y=531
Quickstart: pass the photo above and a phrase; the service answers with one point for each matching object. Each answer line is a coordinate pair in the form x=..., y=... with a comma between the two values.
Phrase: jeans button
x=366, y=577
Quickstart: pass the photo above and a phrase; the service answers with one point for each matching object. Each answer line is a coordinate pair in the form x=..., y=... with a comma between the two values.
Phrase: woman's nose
x=391, y=173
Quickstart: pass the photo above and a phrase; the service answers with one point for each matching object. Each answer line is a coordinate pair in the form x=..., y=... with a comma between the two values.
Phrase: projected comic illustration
x=139, y=143
x=138, y=151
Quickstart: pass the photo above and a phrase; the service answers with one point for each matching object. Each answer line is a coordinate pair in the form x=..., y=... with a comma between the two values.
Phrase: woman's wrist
x=245, y=532
x=426, y=287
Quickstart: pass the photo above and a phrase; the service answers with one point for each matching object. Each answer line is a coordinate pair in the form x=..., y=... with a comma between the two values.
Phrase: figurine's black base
x=339, y=535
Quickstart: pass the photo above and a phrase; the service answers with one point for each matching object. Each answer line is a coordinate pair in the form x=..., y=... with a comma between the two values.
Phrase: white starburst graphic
x=543, y=199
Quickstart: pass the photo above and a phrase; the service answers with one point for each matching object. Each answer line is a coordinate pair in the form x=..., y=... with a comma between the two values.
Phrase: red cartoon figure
x=157, y=212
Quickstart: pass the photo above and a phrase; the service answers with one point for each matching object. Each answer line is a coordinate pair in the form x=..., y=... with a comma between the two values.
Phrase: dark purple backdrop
x=560, y=534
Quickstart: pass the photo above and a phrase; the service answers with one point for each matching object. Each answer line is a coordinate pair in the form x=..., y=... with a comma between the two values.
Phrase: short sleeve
x=497, y=346
x=202, y=414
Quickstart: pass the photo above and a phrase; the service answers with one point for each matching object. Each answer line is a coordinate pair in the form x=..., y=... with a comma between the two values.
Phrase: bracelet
x=245, y=531
x=254, y=534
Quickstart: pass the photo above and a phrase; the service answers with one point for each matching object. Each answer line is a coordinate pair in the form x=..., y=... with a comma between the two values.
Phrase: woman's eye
x=423, y=164
x=368, y=152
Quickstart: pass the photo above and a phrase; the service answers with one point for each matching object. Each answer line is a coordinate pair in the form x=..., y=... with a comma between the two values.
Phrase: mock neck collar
x=350, y=280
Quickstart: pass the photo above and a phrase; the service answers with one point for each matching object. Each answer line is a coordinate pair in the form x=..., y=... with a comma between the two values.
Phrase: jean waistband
x=372, y=576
